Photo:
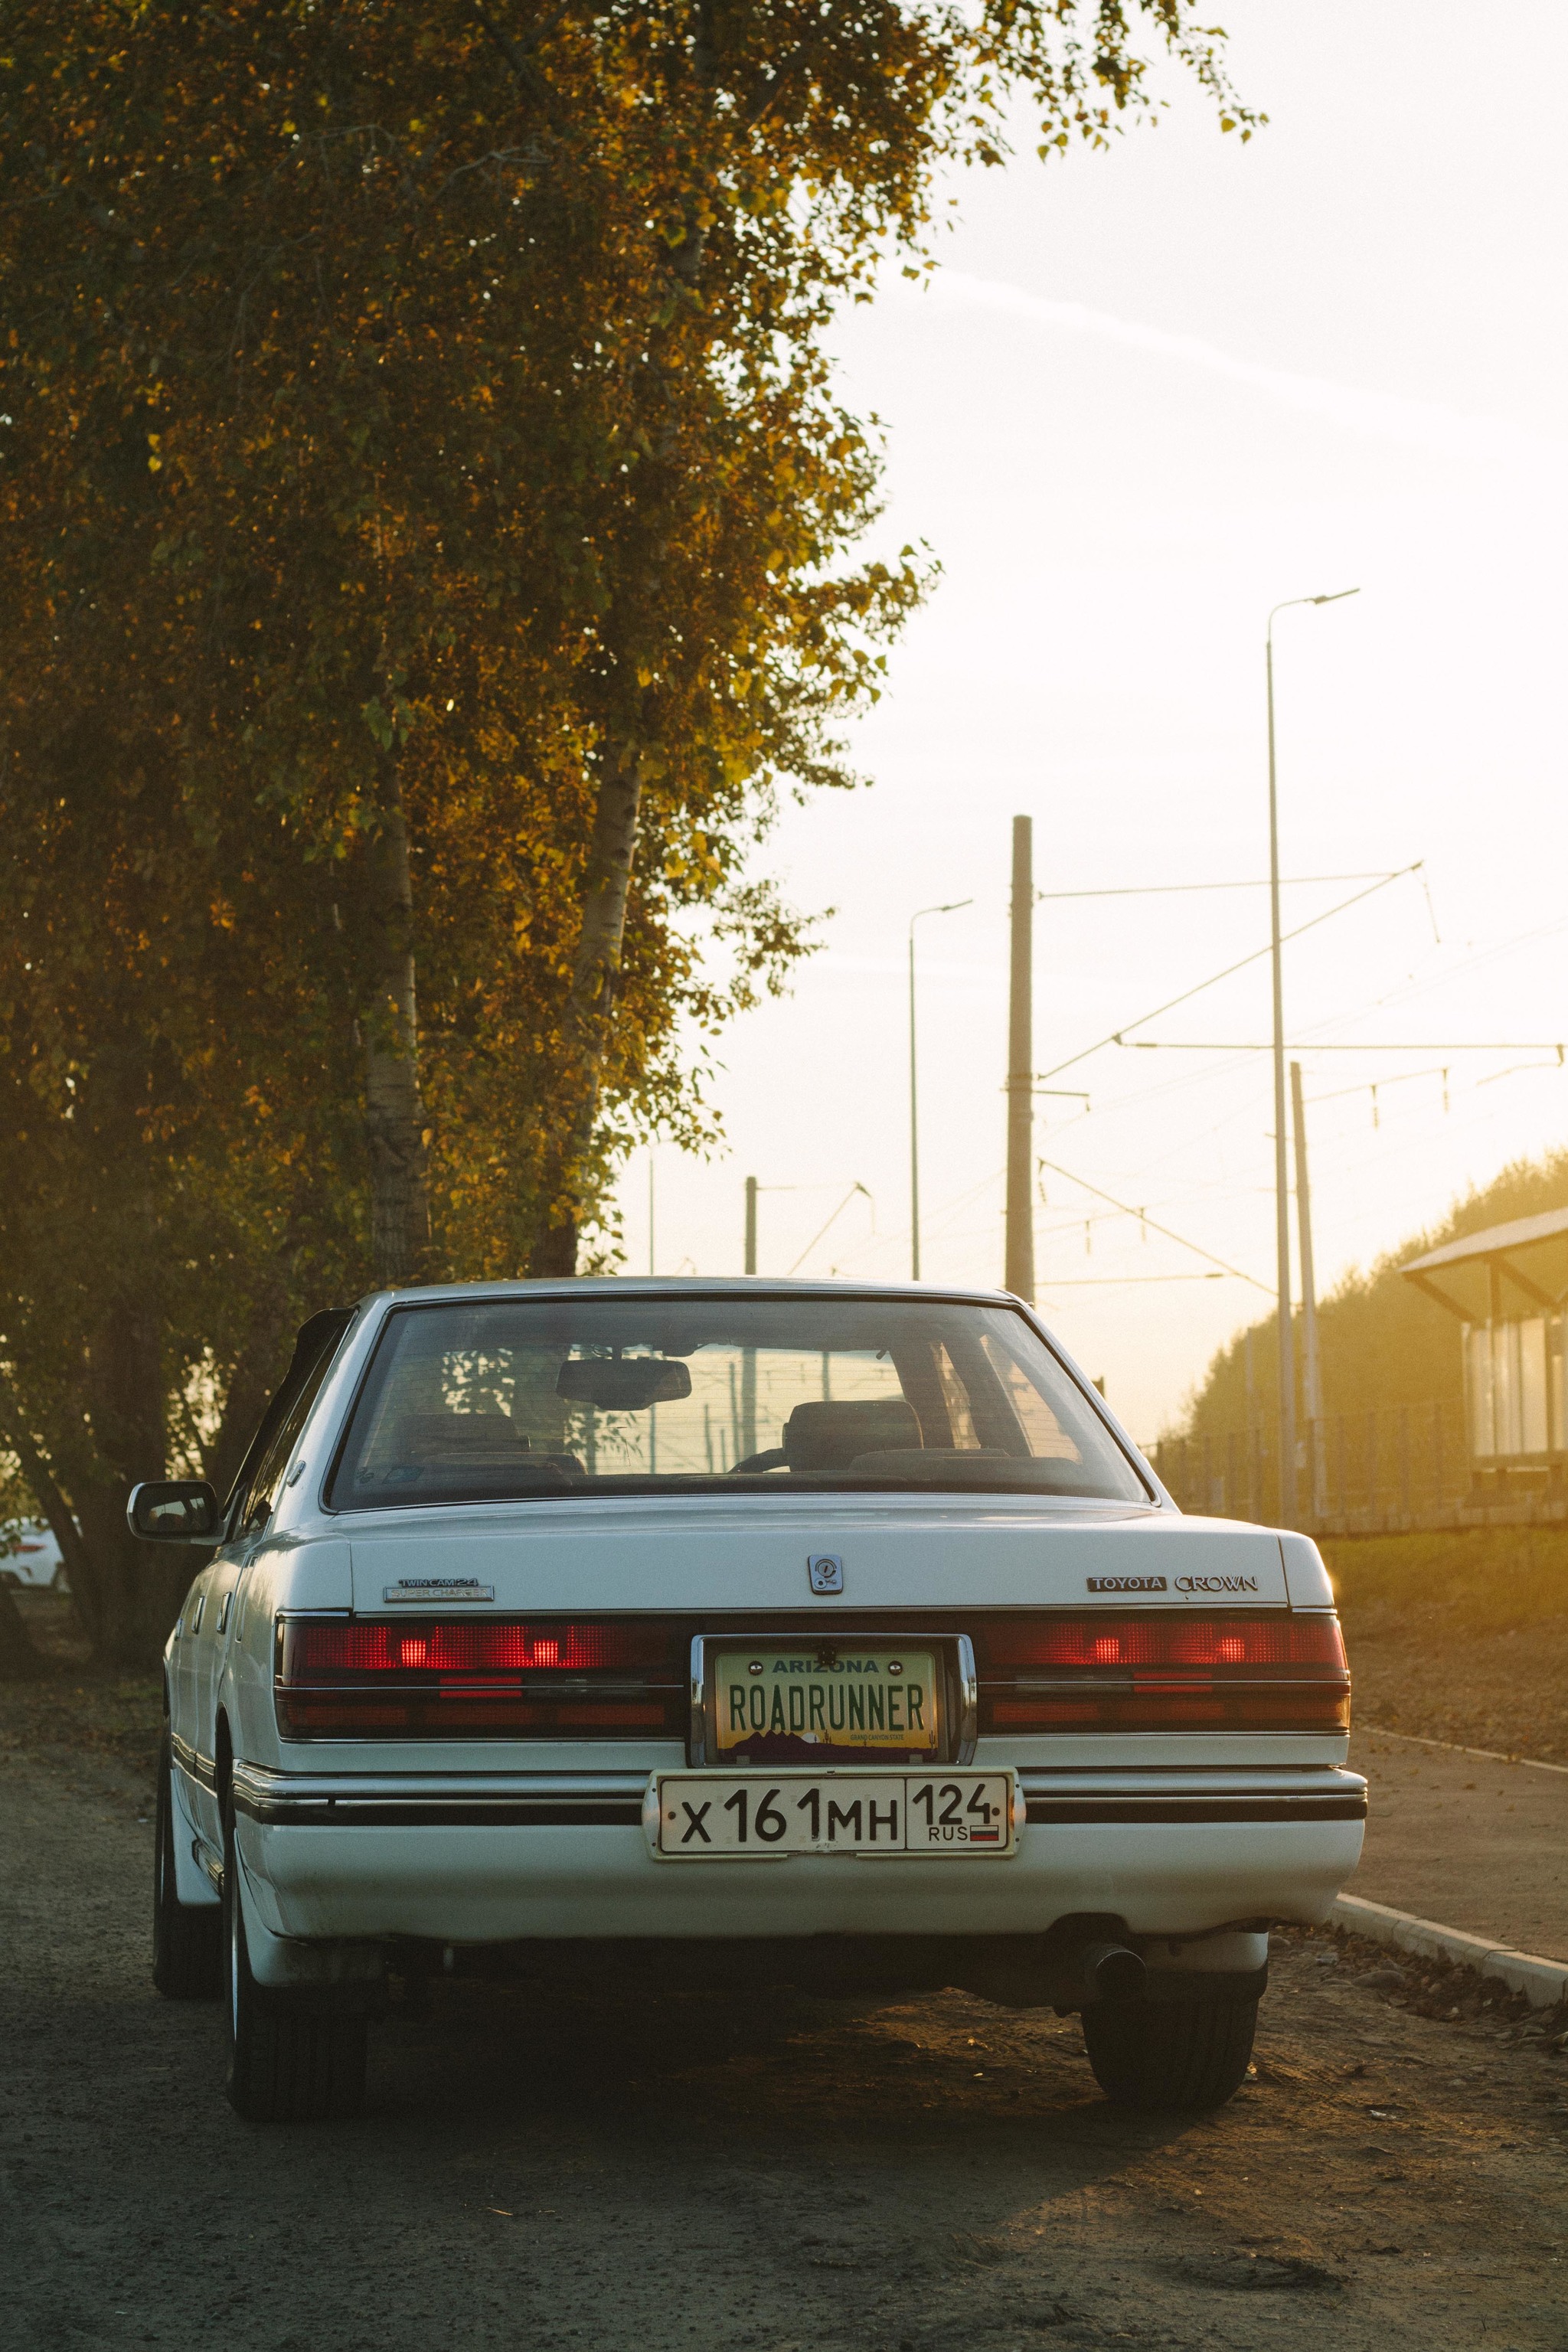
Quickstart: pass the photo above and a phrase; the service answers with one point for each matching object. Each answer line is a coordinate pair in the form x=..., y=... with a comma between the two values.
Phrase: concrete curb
x=1544, y=1983
x=1492, y=1755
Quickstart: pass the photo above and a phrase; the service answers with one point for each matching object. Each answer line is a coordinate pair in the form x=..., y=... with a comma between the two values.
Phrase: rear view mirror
x=175, y=1510
x=622, y=1383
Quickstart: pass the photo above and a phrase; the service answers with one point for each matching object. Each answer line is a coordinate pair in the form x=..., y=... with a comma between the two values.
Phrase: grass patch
x=1461, y=1635
x=1470, y=1580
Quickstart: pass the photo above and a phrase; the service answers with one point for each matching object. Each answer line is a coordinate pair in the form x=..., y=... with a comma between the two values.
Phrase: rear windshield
x=508, y=1398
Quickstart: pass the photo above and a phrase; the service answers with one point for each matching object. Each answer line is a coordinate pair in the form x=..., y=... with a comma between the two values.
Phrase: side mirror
x=175, y=1510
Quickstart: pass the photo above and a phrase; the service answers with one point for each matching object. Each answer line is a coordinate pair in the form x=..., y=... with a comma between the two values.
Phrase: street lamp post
x=1281, y=1156
x=951, y=908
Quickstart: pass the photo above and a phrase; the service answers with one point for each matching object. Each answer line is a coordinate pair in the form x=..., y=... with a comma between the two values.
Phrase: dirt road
x=783, y=2175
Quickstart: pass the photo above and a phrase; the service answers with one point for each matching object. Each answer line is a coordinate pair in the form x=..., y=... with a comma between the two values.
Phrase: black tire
x=1190, y=2054
x=290, y=2060
x=188, y=1937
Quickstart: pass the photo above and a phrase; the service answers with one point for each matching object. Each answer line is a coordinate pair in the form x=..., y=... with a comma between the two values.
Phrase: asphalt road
x=791, y=2174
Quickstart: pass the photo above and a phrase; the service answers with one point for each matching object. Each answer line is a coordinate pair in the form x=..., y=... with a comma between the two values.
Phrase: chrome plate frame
x=681, y=1803
x=960, y=1696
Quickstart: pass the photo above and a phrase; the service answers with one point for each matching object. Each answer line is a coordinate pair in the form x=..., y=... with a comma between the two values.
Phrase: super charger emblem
x=1124, y=1584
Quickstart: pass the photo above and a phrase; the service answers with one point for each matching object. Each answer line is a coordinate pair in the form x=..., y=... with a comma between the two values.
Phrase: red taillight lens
x=326, y=1652
x=1173, y=1640
x=1162, y=1673
x=475, y=1677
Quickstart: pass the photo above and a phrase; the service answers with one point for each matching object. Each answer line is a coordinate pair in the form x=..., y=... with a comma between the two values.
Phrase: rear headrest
x=457, y=1436
x=828, y=1437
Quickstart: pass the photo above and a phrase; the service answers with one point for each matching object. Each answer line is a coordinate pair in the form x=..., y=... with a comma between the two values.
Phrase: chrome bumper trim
x=449, y=1799
x=1194, y=1793
x=613, y=1798
x=193, y=1766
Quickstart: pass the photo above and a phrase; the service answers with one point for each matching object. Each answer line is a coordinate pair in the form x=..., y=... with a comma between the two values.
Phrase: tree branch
x=518, y=57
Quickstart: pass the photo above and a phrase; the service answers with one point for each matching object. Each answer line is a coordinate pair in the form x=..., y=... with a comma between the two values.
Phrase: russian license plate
x=788, y=1702
x=714, y=1816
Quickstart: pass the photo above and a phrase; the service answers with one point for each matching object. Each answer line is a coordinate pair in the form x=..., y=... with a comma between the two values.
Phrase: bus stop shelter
x=1508, y=1288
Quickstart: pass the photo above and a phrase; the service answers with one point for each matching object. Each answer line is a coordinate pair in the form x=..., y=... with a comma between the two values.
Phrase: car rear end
x=496, y=1770
x=837, y=1725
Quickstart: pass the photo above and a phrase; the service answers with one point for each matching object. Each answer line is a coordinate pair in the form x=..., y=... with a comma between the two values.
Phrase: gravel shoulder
x=1460, y=1636
x=1470, y=1843
x=781, y=2173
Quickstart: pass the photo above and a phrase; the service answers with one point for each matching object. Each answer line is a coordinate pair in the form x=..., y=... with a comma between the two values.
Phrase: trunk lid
x=753, y=1555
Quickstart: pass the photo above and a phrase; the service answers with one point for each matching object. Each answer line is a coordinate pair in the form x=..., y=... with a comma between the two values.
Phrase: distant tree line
x=1381, y=1340
x=428, y=530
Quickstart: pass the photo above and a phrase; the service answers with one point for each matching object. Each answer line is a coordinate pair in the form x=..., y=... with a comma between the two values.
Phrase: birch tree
x=431, y=537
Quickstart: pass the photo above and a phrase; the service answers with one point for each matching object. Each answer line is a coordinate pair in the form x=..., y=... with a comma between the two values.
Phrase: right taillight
x=1167, y=1671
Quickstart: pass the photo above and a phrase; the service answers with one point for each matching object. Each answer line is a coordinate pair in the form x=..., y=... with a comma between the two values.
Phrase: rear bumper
x=609, y=1800
x=498, y=1857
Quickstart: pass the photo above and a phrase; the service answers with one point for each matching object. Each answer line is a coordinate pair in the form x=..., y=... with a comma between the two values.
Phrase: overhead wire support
x=1114, y=1281
x=1196, y=1248
x=1171, y=889
x=1314, y=1045
x=1119, y=1036
x=832, y=1221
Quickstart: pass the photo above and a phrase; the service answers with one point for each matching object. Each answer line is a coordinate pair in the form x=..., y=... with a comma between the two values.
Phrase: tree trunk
x=590, y=1006
x=132, y=1588
x=123, y=1594
x=395, y=1112
x=262, y=1361
x=15, y=1428
x=20, y=1661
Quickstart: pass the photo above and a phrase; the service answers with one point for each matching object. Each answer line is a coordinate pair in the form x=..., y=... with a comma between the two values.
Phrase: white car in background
x=30, y=1559
x=732, y=1632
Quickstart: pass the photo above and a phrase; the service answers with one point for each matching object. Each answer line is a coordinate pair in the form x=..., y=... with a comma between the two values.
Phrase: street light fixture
x=1281, y=1176
x=951, y=908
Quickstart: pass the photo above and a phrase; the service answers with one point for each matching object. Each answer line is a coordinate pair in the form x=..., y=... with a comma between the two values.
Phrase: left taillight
x=542, y=1678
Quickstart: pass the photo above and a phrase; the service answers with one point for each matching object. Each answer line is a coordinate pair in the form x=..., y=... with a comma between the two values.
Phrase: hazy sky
x=1153, y=392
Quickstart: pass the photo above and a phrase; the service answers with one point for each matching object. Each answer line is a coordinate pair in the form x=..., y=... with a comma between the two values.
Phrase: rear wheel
x=187, y=1947
x=292, y=2059
x=1190, y=2054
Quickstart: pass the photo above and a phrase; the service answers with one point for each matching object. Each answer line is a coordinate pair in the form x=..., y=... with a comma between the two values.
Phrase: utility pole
x=1311, y=1371
x=1253, y=1481
x=748, y=1430
x=1281, y=1154
x=952, y=907
x=1019, y=1274
x=1287, y=1480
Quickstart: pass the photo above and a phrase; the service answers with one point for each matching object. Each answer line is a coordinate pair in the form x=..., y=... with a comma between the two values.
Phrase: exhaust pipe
x=1110, y=1973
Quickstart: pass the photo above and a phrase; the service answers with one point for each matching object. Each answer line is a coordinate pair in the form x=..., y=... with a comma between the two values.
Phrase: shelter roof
x=1530, y=1254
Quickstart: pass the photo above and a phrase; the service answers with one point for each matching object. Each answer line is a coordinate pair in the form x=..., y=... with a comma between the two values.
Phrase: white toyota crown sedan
x=731, y=1632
